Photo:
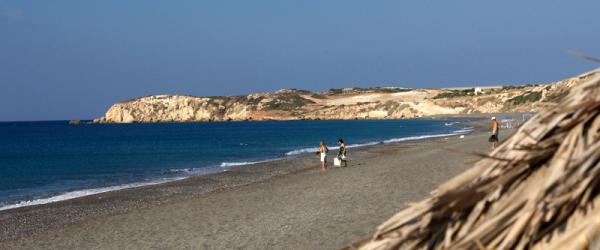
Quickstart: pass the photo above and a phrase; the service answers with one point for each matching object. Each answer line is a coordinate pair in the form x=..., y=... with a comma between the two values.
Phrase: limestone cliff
x=349, y=103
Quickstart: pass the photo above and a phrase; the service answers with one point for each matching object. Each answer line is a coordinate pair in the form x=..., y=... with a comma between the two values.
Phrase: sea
x=48, y=161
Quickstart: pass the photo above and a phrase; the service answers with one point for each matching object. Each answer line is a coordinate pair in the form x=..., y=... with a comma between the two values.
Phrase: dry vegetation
x=538, y=190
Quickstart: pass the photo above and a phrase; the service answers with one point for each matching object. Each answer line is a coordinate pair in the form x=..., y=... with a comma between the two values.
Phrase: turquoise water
x=42, y=162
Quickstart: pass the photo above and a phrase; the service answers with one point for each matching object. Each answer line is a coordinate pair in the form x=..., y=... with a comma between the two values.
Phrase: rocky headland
x=344, y=104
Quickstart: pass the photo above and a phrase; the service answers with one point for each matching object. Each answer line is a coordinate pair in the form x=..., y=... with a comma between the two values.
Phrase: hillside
x=348, y=103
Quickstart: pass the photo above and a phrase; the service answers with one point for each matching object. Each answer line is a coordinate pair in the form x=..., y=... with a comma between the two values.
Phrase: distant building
x=281, y=91
x=479, y=90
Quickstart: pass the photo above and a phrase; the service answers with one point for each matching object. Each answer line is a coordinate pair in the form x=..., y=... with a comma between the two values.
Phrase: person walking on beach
x=323, y=152
x=342, y=153
x=494, y=138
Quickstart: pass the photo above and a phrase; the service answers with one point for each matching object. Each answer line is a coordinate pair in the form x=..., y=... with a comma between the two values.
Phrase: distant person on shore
x=323, y=153
x=494, y=138
x=342, y=153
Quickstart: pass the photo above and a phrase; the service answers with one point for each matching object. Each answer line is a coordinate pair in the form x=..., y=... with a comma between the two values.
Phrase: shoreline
x=24, y=222
x=223, y=167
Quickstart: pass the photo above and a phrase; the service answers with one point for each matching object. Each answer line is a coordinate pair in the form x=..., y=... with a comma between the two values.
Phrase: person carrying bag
x=341, y=158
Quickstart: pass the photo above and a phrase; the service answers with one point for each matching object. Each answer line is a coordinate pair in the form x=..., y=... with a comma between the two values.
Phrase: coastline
x=176, y=174
x=18, y=224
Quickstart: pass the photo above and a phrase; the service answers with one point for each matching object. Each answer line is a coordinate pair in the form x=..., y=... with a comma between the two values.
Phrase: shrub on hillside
x=530, y=96
x=288, y=102
x=455, y=93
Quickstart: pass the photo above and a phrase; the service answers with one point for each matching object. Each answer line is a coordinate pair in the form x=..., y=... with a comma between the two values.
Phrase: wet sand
x=286, y=204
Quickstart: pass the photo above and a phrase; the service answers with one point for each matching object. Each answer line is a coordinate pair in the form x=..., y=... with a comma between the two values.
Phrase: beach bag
x=337, y=162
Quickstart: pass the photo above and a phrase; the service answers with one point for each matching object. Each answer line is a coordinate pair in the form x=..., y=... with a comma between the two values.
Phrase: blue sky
x=73, y=59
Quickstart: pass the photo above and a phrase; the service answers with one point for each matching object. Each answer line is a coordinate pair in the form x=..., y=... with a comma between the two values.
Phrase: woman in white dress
x=323, y=152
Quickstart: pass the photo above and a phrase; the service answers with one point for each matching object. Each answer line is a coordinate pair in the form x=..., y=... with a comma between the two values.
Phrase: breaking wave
x=462, y=131
x=85, y=192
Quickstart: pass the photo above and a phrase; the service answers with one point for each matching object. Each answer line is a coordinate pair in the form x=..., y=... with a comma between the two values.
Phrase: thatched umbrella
x=539, y=189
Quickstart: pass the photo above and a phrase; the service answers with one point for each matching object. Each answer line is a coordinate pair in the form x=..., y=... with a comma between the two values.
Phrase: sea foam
x=315, y=149
x=85, y=192
x=302, y=151
x=244, y=163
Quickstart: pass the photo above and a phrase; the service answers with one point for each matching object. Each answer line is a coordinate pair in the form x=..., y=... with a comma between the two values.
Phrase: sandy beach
x=287, y=204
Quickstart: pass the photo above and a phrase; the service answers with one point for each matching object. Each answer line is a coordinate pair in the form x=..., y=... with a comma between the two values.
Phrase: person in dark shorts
x=494, y=138
x=342, y=153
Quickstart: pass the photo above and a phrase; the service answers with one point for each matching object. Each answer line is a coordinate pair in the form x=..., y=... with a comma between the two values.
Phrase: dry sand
x=286, y=204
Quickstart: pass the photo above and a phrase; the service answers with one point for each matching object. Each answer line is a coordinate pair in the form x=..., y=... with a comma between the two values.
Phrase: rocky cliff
x=349, y=103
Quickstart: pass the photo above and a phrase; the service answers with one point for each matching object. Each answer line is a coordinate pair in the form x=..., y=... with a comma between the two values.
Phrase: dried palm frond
x=539, y=189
